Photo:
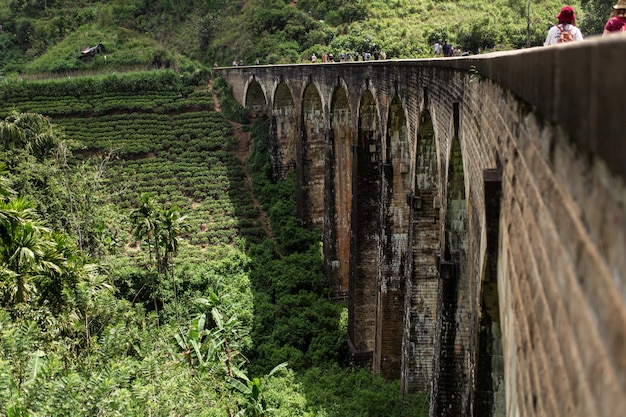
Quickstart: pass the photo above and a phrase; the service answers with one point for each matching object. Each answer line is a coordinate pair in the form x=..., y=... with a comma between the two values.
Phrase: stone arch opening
x=395, y=230
x=421, y=317
x=283, y=133
x=365, y=227
x=490, y=395
x=255, y=99
x=453, y=387
x=339, y=195
x=313, y=151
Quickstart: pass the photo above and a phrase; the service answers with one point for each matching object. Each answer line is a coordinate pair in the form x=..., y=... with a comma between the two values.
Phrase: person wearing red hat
x=566, y=30
x=617, y=20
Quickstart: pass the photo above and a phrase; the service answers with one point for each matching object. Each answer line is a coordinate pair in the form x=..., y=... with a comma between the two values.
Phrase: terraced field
x=170, y=143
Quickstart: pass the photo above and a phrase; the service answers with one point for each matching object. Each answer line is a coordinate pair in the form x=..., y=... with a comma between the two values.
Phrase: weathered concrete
x=474, y=216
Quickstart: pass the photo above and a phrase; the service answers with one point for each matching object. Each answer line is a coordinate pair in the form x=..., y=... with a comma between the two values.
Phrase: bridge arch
x=255, y=99
x=452, y=380
x=421, y=313
x=395, y=230
x=490, y=386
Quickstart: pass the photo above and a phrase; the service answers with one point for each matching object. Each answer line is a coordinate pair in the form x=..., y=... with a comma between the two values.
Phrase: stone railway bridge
x=474, y=216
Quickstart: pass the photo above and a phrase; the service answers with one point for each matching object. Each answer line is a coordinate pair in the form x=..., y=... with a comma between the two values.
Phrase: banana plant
x=190, y=342
x=207, y=348
x=253, y=391
x=17, y=405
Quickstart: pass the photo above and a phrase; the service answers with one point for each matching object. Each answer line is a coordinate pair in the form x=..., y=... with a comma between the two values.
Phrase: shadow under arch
x=255, y=99
x=283, y=133
x=310, y=170
x=338, y=196
x=394, y=259
x=451, y=386
x=424, y=282
x=490, y=392
x=365, y=226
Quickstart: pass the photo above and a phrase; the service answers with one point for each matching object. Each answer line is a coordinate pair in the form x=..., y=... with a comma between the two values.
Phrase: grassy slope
x=125, y=49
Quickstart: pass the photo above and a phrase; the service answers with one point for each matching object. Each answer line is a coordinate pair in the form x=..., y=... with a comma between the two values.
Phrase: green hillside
x=47, y=37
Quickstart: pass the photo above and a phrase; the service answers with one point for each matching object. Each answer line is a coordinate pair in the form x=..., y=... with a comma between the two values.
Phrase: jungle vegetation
x=140, y=277
x=139, y=273
x=47, y=36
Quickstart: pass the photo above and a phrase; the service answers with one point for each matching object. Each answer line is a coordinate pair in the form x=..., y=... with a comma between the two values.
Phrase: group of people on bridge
x=448, y=50
x=348, y=56
x=566, y=30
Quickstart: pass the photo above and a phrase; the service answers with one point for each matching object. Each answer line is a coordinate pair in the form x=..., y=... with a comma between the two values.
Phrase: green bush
x=230, y=108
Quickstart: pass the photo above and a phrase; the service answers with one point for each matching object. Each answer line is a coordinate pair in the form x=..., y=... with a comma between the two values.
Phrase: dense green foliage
x=597, y=13
x=228, y=105
x=137, y=277
x=48, y=36
x=138, y=273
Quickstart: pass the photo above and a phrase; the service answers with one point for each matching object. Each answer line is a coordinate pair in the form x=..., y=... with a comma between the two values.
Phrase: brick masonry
x=474, y=216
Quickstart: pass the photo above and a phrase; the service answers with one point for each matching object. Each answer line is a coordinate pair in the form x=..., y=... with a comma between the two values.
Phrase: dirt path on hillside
x=244, y=144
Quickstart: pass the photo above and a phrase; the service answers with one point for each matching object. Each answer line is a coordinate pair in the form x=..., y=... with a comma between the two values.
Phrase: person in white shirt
x=437, y=48
x=566, y=30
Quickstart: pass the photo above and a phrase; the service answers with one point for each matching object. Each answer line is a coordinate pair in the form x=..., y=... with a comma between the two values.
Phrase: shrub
x=230, y=108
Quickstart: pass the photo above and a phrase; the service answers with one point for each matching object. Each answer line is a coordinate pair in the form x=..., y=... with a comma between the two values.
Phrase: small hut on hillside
x=90, y=52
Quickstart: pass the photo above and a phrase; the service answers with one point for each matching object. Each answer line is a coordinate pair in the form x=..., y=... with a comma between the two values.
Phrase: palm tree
x=160, y=229
x=146, y=227
x=21, y=245
x=23, y=252
x=171, y=224
x=145, y=224
x=29, y=252
x=62, y=266
x=30, y=131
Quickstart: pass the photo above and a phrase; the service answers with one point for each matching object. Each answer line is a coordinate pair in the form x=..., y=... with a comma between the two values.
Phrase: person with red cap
x=566, y=30
x=617, y=20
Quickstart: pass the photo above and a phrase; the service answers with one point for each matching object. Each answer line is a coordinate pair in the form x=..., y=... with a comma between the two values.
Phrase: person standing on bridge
x=566, y=30
x=447, y=49
x=617, y=20
x=437, y=48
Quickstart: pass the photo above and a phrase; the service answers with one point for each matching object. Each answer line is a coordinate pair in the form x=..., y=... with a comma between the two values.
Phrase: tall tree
x=596, y=14
x=144, y=220
x=160, y=229
x=171, y=226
